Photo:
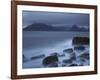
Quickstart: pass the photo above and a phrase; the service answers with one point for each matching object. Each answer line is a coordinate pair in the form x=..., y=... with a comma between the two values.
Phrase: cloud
x=54, y=18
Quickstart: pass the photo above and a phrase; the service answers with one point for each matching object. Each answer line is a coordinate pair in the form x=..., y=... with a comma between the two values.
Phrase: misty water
x=37, y=43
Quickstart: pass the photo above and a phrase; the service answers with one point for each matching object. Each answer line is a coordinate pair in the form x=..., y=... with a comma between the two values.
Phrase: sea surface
x=37, y=43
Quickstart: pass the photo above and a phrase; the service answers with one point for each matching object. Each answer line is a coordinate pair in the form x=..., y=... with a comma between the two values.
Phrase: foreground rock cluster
x=78, y=55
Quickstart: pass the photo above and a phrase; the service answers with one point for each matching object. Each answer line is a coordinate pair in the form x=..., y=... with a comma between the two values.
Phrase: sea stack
x=80, y=41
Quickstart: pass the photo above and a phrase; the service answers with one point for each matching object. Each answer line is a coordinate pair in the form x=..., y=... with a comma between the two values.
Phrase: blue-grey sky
x=55, y=18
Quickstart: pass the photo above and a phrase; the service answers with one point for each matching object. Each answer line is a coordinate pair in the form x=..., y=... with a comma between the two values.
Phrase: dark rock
x=50, y=60
x=70, y=50
x=57, y=54
x=73, y=65
x=67, y=61
x=81, y=48
x=85, y=56
x=24, y=58
x=61, y=55
x=63, y=65
x=80, y=41
x=73, y=56
x=54, y=54
x=54, y=64
x=69, y=54
x=82, y=61
x=37, y=57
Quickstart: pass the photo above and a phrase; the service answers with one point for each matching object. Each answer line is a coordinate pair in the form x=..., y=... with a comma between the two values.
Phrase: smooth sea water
x=37, y=43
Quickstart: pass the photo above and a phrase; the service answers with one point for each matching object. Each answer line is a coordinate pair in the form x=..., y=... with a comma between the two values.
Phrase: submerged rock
x=85, y=56
x=80, y=41
x=38, y=57
x=24, y=58
x=67, y=61
x=70, y=50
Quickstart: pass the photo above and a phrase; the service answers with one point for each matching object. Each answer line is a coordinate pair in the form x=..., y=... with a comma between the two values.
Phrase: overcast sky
x=54, y=18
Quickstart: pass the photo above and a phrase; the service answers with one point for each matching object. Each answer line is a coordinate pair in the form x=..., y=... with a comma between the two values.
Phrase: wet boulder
x=79, y=48
x=85, y=56
x=63, y=65
x=50, y=61
x=80, y=41
x=67, y=61
x=69, y=54
x=73, y=65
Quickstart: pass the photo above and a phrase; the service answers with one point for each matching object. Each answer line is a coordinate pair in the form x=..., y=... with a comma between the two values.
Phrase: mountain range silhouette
x=46, y=27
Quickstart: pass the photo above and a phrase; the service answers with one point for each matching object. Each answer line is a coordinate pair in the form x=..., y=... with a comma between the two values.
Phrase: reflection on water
x=37, y=45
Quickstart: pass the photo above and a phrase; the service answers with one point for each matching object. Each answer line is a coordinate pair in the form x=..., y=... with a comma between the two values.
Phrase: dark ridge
x=46, y=27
